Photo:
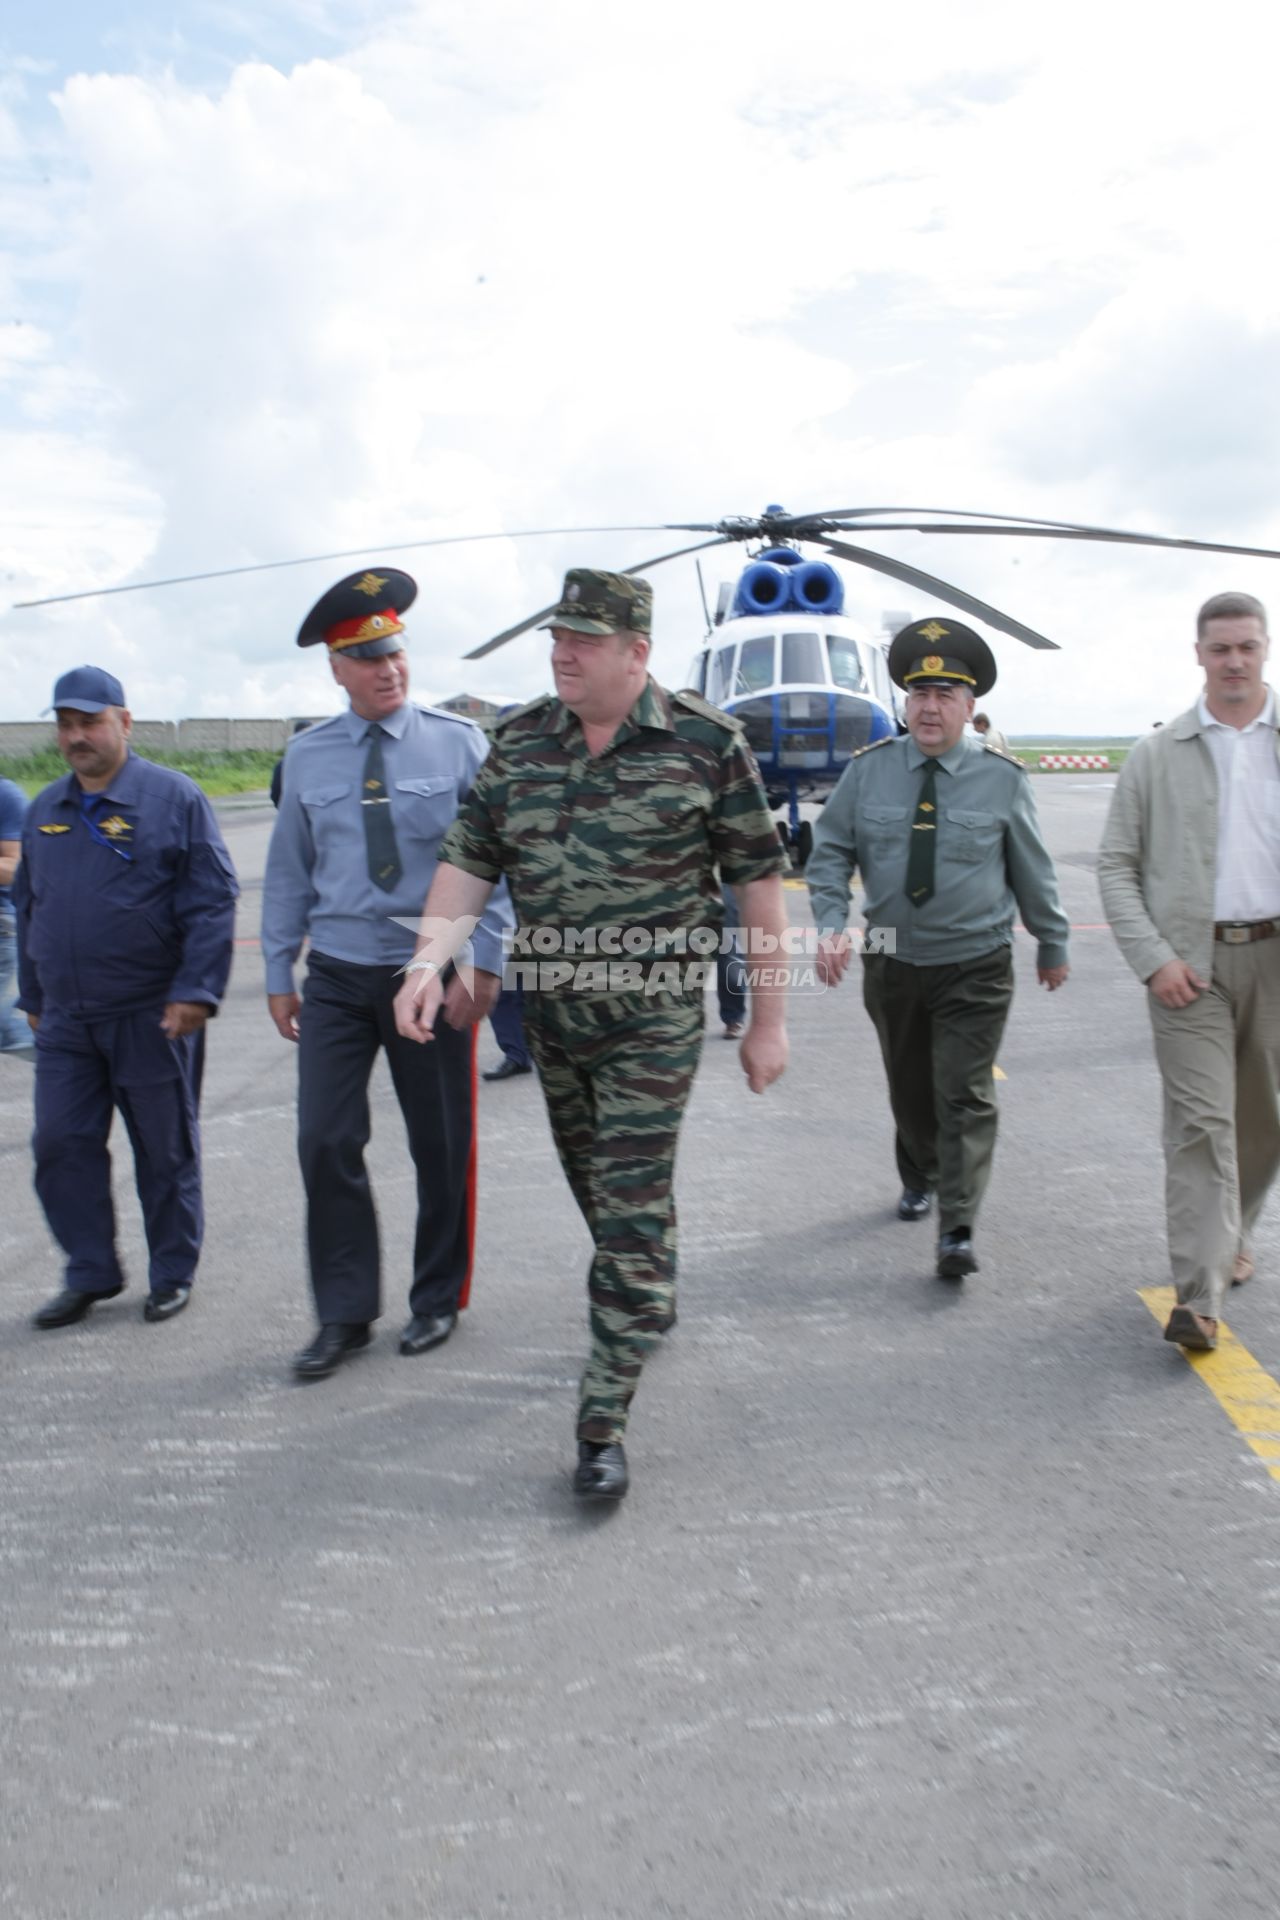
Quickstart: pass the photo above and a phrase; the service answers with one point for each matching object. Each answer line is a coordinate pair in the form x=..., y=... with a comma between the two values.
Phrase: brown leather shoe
x=1243, y=1268
x=1195, y=1331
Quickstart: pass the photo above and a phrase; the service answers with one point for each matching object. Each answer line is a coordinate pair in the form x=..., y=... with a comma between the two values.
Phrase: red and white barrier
x=1080, y=762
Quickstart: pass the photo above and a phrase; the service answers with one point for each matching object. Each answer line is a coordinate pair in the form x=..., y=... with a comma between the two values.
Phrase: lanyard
x=88, y=802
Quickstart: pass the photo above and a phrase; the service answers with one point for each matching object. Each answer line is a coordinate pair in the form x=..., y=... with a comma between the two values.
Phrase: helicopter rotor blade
x=510, y=633
x=354, y=553
x=1114, y=536
x=535, y=619
x=863, y=514
x=940, y=590
x=1020, y=525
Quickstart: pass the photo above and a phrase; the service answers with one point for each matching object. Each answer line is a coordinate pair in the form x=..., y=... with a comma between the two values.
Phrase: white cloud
x=487, y=267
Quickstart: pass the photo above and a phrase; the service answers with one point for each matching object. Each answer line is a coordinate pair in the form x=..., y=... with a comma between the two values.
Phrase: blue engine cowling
x=817, y=587
x=763, y=588
x=780, y=582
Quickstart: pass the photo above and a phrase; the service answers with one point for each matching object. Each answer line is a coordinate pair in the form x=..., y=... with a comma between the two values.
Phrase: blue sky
x=296, y=278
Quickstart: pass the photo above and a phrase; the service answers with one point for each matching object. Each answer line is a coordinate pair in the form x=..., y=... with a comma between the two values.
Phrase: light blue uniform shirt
x=989, y=855
x=317, y=881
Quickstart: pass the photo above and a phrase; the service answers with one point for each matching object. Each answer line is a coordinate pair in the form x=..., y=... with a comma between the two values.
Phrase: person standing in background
x=15, y=1034
x=989, y=735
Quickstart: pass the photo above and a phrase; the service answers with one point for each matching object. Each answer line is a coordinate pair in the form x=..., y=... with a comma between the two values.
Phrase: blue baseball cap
x=88, y=690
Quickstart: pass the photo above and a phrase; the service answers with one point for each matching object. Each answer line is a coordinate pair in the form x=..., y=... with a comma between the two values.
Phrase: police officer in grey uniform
x=366, y=799
x=943, y=831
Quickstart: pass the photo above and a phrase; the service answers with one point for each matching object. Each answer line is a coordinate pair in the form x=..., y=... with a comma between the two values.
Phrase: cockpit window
x=719, y=675
x=755, y=665
x=802, y=662
x=846, y=663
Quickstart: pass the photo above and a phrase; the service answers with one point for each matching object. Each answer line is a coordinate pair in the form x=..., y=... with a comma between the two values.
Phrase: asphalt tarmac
x=927, y=1603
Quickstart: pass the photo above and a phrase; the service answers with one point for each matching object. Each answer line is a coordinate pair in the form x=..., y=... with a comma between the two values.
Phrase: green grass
x=1030, y=747
x=218, y=773
x=221, y=774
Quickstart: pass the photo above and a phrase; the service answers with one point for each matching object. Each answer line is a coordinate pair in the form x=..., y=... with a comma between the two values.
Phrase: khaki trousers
x=1219, y=1060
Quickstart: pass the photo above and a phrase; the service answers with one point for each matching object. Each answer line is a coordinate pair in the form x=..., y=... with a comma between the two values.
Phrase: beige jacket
x=1158, y=860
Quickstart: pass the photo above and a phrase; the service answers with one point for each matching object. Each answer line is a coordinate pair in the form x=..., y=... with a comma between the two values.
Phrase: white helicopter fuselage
x=809, y=689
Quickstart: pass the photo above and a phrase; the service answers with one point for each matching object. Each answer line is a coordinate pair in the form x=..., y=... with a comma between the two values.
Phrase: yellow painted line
x=796, y=886
x=1247, y=1394
x=998, y=1073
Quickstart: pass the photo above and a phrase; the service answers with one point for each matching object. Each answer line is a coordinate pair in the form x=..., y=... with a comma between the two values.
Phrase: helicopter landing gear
x=797, y=843
x=804, y=844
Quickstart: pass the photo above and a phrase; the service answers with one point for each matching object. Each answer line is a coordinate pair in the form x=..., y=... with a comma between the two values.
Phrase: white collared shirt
x=1247, y=884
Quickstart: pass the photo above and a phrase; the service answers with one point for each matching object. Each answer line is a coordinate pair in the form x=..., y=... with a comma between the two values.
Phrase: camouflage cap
x=594, y=602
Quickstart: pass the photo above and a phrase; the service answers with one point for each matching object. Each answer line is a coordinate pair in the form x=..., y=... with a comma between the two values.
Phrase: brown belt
x=1242, y=933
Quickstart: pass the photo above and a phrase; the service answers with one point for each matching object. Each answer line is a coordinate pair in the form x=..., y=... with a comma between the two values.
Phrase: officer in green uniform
x=943, y=831
x=614, y=811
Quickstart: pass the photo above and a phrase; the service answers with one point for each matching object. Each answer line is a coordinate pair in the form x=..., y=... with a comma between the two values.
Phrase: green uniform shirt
x=636, y=839
x=988, y=857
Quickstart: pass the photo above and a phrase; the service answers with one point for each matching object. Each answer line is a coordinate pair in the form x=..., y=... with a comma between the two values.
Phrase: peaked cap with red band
x=359, y=618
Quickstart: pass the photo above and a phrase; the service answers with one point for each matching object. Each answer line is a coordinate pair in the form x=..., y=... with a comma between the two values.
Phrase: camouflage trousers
x=616, y=1073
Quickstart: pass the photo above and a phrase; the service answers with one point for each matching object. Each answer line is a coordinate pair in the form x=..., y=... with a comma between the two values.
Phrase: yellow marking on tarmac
x=1247, y=1394
x=998, y=1073
x=796, y=886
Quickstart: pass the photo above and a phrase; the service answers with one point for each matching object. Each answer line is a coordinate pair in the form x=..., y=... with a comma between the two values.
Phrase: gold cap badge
x=934, y=631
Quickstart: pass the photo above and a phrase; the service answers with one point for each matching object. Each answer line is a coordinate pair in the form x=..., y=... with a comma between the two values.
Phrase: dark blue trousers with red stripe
x=347, y=1015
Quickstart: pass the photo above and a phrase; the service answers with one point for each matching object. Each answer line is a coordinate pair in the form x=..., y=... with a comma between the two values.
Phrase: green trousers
x=616, y=1072
x=939, y=1030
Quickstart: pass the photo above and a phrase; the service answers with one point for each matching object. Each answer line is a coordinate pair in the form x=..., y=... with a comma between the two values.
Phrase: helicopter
x=807, y=695
x=807, y=682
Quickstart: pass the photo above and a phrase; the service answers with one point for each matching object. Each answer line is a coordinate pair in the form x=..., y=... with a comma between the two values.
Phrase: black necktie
x=921, y=852
x=379, y=831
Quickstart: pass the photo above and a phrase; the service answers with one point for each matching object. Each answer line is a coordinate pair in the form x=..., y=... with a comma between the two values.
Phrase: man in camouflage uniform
x=614, y=812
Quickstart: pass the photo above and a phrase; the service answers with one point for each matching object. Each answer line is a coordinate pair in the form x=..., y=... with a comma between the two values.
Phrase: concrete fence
x=19, y=737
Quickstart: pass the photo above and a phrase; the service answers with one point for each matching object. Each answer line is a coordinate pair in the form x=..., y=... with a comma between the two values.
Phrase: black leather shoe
x=166, y=1301
x=68, y=1306
x=427, y=1330
x=601, y=1472
x=956, y=1255
x=913, y=1205
x=506, y=1071
x=328, y=1350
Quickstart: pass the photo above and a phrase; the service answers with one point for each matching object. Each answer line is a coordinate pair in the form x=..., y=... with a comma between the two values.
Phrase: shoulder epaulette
x=519, y=713
x=694, y=703
x=885, y=740
x=1001, y=754
x=445, y=713
x=320, y=726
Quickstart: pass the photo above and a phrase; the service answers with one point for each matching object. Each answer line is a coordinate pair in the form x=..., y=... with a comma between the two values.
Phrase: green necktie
x=923, y=827
x=379, y=831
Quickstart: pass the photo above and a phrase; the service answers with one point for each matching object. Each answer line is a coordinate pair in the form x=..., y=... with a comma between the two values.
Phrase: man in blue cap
x=365, y=800
x=125, y=901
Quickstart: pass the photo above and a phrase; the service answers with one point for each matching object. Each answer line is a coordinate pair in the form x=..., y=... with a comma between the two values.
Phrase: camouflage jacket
x=636, y=840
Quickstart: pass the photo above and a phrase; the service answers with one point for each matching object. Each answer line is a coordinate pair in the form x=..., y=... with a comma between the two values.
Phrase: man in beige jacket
x=1190, y=878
